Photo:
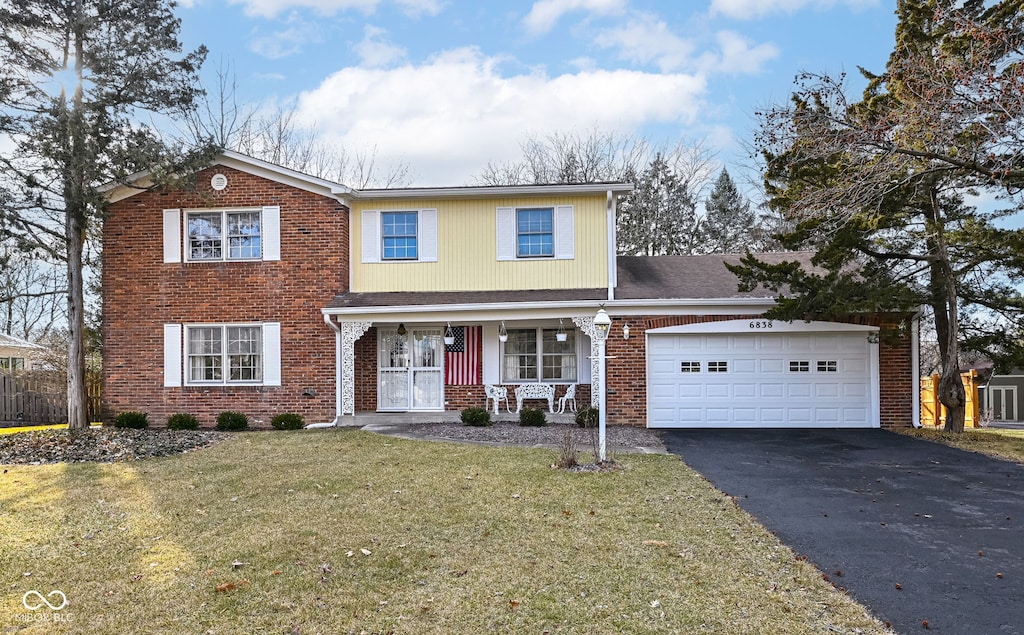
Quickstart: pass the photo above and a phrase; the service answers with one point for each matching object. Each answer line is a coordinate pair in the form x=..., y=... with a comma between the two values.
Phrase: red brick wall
x=627, y=368
x=141, y=294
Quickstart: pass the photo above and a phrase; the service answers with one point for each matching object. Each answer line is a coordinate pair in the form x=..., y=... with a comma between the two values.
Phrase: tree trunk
x=76, y=210
x=945, y=301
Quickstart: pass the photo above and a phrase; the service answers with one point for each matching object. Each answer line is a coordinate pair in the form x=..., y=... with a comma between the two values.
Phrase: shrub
x=288, y=421
x=182, y=421
x=476, y=417
x=567, y=456
x=532, y=417
x=587, y=417
x=231, y=420
x=132, y=419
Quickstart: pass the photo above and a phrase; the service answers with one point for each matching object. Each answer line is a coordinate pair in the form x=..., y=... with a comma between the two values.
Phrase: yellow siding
x=467, y=249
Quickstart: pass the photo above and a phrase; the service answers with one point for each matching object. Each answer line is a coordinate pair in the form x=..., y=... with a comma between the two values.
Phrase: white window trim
x=539, y=334
x=371, y=235
x=176, y=367
x=562, y=227
x=176, y=239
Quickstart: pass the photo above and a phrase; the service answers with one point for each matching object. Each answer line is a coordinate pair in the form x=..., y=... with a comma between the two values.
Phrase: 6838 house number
x=761, y=324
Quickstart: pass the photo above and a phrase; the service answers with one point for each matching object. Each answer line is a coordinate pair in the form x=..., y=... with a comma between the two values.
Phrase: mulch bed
x=103, y=445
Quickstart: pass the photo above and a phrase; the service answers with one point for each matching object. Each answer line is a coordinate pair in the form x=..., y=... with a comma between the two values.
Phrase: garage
x=763, y=374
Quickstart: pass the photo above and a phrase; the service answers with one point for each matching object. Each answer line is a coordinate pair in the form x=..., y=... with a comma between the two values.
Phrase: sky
x=447, y=86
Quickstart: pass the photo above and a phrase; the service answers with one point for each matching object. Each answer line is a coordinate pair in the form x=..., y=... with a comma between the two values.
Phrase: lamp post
x=602, y=324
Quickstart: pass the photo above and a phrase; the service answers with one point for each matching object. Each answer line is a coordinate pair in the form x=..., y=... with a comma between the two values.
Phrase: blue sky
x=448, y=85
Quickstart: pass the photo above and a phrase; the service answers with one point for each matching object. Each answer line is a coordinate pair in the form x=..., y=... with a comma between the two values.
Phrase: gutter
x=915, y=365
x=612, y=241
x=337, y=375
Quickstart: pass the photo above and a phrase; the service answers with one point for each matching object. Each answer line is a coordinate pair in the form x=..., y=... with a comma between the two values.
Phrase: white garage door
x=775, y=375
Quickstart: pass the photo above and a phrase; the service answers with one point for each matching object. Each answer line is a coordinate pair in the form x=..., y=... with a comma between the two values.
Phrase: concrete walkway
x=917, y=532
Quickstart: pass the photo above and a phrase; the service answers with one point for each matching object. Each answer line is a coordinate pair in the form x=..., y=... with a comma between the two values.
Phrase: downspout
x=915, y=366
x=612, y=239
x=337, y=374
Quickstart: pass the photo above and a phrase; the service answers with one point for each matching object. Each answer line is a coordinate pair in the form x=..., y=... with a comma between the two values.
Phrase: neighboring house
x=269, y=291
x=1002, y=398
x=17, y=354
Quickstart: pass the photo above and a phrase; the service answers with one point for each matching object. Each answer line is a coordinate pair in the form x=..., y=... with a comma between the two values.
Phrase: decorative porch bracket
x=586, y=324
x=350, y=333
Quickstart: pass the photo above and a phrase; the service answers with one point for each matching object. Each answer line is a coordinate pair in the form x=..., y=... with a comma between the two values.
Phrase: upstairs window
x=535, y=233
x=224, y=235
x=399, y=233
x=8, y=364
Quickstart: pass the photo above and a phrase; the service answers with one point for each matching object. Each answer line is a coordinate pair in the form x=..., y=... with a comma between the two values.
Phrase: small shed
x=1002, y=399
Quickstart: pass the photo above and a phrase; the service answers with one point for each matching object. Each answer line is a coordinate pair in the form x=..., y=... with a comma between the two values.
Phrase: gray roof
x=17, y=342
x=691, y=277
x=640, y=278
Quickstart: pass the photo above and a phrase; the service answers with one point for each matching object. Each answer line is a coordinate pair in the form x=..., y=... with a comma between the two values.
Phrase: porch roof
x=354, y=300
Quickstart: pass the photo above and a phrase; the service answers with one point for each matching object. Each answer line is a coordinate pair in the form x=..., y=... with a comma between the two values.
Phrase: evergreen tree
x=729, y=224
x=878, y=187
x=77, y=79
x=659, y=217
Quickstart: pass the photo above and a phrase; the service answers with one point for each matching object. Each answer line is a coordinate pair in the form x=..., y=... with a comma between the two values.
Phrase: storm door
x=410, y=370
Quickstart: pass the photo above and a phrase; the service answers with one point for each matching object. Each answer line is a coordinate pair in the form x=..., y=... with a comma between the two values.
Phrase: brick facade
x=141, y=293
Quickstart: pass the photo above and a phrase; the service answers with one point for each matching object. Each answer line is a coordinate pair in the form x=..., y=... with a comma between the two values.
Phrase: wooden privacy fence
x=933, y=413
x=41, y=397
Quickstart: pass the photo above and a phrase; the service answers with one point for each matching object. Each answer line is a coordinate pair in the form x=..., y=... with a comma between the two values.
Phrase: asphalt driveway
x=915, y=531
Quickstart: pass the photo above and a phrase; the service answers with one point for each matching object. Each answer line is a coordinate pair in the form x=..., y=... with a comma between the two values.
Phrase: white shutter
x=506, y=233
x=371, y=235
x=271, y=353
x=172, y=235
x=565, y=234
x=491, y=355
x=428, y=235
x=172, y=355
x=270, y=227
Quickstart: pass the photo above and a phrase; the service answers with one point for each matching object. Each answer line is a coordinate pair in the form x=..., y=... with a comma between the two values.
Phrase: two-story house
x=268, y=291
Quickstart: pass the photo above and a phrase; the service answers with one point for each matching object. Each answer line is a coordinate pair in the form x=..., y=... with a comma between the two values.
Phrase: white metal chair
x=568, y=397
x=497, y=393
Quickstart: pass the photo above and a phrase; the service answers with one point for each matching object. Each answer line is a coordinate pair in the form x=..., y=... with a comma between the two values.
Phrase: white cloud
x=645, y=40
x=751, y=9
x=287, y=41
x=453, y=114
x=270, y=8
x=545, y=13
x=416, y=8
x=737, y=56
x=375, y=50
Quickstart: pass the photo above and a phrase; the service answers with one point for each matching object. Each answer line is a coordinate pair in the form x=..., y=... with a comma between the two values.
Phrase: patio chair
x=497, y=393
x=569, y=396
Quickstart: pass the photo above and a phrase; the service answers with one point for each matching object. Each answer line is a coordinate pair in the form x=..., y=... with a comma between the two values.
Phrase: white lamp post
x=602, y=324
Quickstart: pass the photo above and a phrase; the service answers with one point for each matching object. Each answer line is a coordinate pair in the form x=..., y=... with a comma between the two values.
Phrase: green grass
x=998, y=442
x=457, y=539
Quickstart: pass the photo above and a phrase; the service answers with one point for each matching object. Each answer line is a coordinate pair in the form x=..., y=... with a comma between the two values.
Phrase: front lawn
x=998, y=442
x=343, y=531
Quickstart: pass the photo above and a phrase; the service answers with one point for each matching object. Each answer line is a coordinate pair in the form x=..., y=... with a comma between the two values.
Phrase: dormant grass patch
x=349, y=532
x=998, y=442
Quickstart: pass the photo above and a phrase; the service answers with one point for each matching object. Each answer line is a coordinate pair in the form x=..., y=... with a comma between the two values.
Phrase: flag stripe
x=462, y=363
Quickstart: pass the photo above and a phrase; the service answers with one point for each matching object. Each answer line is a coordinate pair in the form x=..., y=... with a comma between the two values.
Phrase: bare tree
x=31, y=303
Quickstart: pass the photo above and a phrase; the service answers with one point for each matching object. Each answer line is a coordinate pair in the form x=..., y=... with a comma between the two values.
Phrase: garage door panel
x=758, y=387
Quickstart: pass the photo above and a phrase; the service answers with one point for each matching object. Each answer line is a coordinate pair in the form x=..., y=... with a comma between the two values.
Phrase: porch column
x=350, y=332
x=585, y=323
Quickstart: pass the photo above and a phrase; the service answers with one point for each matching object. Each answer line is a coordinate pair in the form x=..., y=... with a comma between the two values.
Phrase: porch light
x=602, y=323
x=449, y=335
x=401, y=328
x=502, y=333
x=625, y=331
x=561, y=335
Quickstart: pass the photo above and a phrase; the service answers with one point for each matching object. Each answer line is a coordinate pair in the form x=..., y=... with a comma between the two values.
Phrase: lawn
x=343, y=531
x=998, y=442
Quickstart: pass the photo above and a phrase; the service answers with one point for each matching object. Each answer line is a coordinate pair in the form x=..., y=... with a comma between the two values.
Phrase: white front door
x=410, y=374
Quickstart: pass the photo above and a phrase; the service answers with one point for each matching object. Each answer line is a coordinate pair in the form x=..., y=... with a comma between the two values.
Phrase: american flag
x=462, y=358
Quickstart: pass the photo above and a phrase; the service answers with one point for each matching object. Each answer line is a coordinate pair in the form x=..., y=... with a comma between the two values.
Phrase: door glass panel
x=393, y=393
x=393, y=351
x=427, y=349
x=427, y=389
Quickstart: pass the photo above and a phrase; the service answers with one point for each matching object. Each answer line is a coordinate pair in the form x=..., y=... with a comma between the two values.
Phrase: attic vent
x=219, y=182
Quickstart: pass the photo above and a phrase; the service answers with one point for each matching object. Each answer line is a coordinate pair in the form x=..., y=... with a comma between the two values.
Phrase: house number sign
x=761, y=324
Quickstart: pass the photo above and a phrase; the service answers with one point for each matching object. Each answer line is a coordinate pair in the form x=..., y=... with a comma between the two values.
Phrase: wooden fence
x=41, y=397
x=933, y=413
